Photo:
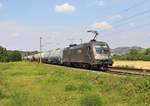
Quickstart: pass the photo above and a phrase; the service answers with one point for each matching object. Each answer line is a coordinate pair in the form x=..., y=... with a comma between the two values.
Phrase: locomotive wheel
x=104, y=68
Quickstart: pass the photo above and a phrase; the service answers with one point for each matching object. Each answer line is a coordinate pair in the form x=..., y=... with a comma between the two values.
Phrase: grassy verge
x=33, y=84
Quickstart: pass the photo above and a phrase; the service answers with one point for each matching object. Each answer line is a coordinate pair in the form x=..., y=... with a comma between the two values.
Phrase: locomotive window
x=101, y=49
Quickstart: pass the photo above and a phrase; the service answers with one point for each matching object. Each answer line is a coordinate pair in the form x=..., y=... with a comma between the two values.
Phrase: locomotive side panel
x=66, y=56
x=77, y=55
x=80, y=54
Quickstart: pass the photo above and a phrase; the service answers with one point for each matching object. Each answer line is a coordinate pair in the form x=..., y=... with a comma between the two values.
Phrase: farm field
x=33, y=84
x=134, y=64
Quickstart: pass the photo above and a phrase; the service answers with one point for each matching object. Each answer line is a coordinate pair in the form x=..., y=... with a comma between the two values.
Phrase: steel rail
x=129, y=71
x=115, y=70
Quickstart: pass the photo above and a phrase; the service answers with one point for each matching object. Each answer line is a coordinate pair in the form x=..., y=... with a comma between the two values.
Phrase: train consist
x=94, y=54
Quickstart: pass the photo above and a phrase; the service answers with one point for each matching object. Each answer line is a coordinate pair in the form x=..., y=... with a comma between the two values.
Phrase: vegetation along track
x=120, y=70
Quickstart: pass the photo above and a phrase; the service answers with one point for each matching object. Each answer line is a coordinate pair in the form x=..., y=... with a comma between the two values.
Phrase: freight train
x=94, y=54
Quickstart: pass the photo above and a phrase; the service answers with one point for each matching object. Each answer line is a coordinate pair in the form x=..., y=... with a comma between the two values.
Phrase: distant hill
x=123, y=50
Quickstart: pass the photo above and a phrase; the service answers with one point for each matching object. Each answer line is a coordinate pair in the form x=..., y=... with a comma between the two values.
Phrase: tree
x=3, y=54
x=147, y=52
x=133, y=52
x=146, y=57
x=14, y=56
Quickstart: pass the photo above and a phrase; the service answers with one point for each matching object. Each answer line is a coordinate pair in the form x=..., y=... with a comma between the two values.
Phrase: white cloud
x=102, y=25
x=66, y=7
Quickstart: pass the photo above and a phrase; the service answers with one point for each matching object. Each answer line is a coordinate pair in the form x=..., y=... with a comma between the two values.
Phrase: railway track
x=119, y=70
x=129, y=71
x=122, y=71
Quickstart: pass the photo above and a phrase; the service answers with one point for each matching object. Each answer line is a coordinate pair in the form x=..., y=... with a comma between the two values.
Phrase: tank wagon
x=35, y=57
x=55, y=56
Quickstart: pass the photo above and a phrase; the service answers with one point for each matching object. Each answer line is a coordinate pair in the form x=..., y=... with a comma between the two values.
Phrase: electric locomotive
x=94, y=54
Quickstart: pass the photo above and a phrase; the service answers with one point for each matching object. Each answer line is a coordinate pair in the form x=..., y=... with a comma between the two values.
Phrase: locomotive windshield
x=101, y=49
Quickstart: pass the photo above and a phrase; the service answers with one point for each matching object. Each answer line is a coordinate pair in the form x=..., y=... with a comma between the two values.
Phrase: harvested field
x=133, y=64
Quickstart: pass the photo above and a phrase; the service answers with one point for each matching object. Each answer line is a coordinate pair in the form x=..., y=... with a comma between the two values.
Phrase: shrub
x=146, y=85
x=4, y=67
x=85, y=87
x=2, y=95
x=70, y=87
x=19, y=98
x=91, y=100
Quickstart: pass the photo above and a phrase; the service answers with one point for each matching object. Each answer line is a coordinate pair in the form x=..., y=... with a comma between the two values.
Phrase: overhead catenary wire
x=118, y=23
x=126, y=9
x=132, y=28
x=135, y=5
x=131, y=17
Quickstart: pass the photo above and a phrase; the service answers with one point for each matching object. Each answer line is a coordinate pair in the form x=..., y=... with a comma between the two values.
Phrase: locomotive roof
x=82, y=45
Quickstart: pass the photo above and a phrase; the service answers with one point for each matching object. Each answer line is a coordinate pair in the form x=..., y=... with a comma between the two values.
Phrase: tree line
x=135, y=54
x=9, y=56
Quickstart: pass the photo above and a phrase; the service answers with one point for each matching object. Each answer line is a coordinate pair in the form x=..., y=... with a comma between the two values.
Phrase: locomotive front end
x=102, y=54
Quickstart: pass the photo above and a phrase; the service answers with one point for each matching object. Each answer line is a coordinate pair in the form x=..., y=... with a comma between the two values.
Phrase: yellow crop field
x=134, y=64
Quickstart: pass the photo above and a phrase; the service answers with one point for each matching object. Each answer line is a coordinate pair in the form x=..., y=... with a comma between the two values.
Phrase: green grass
x=33, y=84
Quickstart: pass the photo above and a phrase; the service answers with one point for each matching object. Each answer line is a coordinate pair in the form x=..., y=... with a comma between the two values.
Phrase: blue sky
x=60, y=22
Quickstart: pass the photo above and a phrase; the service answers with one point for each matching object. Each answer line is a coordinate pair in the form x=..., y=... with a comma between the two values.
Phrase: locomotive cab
x=101, y=54
x=102, y=51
